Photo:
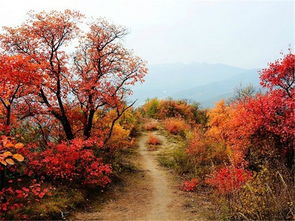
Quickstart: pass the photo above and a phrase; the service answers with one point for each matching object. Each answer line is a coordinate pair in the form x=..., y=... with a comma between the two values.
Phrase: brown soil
x=151, y=194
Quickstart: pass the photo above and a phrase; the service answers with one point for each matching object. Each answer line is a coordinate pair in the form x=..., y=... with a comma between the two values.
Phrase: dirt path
x=152, y=194
x=162, y=196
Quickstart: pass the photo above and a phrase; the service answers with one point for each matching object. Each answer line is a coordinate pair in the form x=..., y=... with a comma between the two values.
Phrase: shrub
x=120, y=139
x=71, y=162
x=151, y=108
x=198, y=145
x=13, y=200
x=176, y=126
x=151, y=126
x=228, y=179
x=178, y=160
x=176, y=109
x=206, y=150
x=190, y=185
x=153, y=140
x=269, y=195
x=15, y=194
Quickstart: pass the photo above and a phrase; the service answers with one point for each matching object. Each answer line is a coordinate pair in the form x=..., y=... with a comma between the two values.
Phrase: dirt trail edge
x=152, y=195
x=162, y=195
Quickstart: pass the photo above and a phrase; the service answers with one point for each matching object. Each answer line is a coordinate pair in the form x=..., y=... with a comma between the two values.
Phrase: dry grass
x=268, y=196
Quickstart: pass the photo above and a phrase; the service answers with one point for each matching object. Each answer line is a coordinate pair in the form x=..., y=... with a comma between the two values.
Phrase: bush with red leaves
x=228, y=179
x=153, y=140
x=69, y=162
x=190, y=185
x=14, y=199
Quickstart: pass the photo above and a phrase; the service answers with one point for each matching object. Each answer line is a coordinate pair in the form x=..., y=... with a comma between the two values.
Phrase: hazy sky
x=241, y=33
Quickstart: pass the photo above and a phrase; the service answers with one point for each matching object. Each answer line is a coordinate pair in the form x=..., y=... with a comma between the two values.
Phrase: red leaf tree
x=96, y=75
x=17, y=73
x=271, y=115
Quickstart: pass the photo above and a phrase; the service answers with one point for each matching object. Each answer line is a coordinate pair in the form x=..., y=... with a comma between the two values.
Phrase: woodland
x=70, y=140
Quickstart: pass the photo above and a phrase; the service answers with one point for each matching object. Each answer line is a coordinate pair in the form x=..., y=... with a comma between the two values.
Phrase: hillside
x=200, y=82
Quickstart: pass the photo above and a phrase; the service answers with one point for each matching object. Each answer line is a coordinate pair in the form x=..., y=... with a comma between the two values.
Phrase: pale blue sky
x=241, y=33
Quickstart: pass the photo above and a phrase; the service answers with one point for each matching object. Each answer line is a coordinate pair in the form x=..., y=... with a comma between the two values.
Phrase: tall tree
x=98, y=74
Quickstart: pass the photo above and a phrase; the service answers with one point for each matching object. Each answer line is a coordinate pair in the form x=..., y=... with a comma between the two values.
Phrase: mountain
x=200, y=82
x=210, y=93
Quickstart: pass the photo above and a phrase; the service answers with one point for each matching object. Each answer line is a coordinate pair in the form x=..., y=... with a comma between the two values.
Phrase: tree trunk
x=88, y=126
x=8, y=119
x=67, y=128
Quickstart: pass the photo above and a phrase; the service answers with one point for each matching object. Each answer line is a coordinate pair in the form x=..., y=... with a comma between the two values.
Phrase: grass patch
x=174, y=157
x=58, y=206
x=179, y=161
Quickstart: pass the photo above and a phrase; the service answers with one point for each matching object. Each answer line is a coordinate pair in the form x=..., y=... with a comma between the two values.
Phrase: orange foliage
x=176, y=126
x=8, y=152
x=175, y=109
x=120, y=138
x=150, y=126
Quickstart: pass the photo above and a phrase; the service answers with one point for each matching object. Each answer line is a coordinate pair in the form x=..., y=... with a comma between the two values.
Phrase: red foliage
x=190, y=185
x=271, y=113
x=18, y=74
x=153, y=140
x=228, y=179
x=270, y=117
x=50, y=93
x=97, y=76
x=15, y=198
x=276, y=109
x=280, y=75
x=69, y=162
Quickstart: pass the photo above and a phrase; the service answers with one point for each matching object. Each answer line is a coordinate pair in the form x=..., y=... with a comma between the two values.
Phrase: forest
x=71, y=141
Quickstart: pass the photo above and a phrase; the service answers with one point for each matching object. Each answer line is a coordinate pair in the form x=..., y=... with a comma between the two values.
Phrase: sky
x=242, y=33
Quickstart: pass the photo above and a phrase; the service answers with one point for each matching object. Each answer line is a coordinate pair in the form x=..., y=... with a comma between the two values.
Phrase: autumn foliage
x=241, y=149
x=9, y=152
x=150, y=126
x=64, y=119
x=248, y=137
x=73, y=162
x=96, y=77
x=190, y=185
x=63, y=113
x=228, y=179
x=162, y=109
x=153, y=140
x=175, y=125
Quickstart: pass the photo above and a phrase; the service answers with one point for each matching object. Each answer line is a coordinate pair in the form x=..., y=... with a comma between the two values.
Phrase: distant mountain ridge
x=199, y=82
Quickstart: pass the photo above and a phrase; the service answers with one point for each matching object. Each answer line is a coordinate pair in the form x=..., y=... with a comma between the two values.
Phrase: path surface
x=163, y=197
x=153, y=194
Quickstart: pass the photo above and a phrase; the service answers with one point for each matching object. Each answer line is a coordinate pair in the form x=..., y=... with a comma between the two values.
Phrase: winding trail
x=162, y=195
x=153, y=194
